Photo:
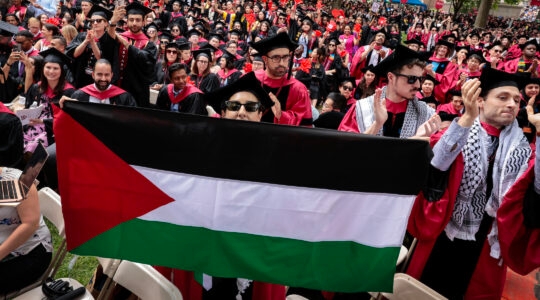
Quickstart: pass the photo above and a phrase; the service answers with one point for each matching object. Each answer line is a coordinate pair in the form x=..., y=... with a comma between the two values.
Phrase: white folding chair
x=109, y=266
x=145, y=282
x=408, y=288
x=51, y=208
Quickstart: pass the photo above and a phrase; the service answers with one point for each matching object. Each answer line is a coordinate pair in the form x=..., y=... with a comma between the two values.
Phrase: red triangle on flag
x=99, y=190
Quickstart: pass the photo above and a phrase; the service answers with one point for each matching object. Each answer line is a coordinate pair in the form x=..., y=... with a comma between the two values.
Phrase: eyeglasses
x=249, y=107
x=94, y=21
x=276, y=58
x=347, y=88
x=411, y=79
x=497, y=51
x=164, y=42
x=331, y=45
x=175, y=30
x=172, y=52
x=202, y=61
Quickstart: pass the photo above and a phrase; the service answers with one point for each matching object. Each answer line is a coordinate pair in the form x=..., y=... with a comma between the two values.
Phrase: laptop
x=15, y=190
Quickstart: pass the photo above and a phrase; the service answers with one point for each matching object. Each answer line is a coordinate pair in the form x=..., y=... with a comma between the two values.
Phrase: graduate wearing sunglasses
x=394, y=110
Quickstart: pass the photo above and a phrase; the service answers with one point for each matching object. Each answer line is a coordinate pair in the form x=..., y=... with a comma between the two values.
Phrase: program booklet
x=29, y=113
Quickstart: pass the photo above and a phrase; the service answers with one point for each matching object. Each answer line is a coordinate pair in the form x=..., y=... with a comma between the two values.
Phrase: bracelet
x=112, y=25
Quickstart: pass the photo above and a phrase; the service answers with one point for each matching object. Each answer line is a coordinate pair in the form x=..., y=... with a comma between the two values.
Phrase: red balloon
x=439, y=4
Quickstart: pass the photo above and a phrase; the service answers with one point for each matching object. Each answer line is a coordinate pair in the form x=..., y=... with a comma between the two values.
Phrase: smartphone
x=17, y=48
x=119, y=3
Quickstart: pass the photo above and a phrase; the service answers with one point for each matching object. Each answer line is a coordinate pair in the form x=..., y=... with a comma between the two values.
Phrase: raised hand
x=429, y=127
x=470, y=92
x=533, y=118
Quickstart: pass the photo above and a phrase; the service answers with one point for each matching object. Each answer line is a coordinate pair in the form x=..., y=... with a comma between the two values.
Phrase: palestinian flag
x=296, y=206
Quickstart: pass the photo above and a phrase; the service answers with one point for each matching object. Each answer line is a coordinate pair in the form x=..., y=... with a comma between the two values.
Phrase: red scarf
x=140, y=39
x=224, y=76
x=102, y=95
x=186, y=91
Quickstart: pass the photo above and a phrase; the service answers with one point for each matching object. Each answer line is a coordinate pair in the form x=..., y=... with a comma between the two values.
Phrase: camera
x=17, y=48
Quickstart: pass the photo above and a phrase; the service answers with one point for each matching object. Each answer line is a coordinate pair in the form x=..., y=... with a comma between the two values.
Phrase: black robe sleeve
x=125, y=99
x=209, y=83
x=163, y=102
x=138, y=74
x=193, y=104
x=11, y=140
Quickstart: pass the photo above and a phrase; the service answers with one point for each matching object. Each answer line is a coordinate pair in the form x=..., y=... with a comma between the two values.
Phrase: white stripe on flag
x=377, y=220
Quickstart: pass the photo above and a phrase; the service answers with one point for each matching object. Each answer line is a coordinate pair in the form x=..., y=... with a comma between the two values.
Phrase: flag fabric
x=302, y=207
x=535, y=3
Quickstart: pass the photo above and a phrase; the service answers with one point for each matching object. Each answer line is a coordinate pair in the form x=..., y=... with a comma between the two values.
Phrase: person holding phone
x=14, y=66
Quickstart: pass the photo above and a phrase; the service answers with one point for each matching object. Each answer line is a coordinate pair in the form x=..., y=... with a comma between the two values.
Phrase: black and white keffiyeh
x=511, y=161
x=417, y=113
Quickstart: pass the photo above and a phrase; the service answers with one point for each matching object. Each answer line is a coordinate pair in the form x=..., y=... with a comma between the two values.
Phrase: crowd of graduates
x=348, y=69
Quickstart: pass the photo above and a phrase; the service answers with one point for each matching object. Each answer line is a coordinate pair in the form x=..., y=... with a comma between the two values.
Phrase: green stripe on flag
x=331, y=266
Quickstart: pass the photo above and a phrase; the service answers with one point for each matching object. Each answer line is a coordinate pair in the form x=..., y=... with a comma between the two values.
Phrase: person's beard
x=102, y=85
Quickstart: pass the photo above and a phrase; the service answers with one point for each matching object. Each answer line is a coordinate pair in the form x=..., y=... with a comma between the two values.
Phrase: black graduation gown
x=83, y=65
x=138, y=73
x=192, y=104
x=207, y=83
x=125, y=99
x=11, y=140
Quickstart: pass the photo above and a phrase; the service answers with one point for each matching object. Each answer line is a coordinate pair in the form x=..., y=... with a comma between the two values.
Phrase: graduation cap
x=280, y=40
x=474, y=34
x=202, y=51
x=7, y=29
x=419, y=25
x=307, y=19
x=351, y=80
x=496, y=43
x=447, y=36
x=101, y=11
x=200, y=25
x=368, y=68
x=476, y=54
x=214, y=35
x=193, y=32
x=530, y=80
x=172, y=45
x=166, y=35
x=445, y=116
x=183, y=45
x=520, y=36
x=219, y=22
x=465, y=47
x=397, y=59
x=55, y=56
x=136, y=8
x=151, y=25
x=228, y=56
x=206, y=45
x=432, y=79
x=325, y=14
x=414, y=41
x=529, y=42
x=493, y=78
x=247, y=83
x=446, y=43
x=236, y=32
x=430, y=99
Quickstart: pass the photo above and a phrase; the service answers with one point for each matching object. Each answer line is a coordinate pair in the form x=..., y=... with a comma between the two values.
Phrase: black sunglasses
x=249, y=107
x=350, y=88
x=411, y=79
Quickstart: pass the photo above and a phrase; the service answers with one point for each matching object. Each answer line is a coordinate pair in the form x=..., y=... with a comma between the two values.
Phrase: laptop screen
x=33, y=167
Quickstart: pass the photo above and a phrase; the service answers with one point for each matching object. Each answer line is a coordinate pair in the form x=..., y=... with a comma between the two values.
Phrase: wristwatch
x=111, y=24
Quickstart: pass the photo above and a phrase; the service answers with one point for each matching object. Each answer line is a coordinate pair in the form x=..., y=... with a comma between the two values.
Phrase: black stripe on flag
x=260, y=152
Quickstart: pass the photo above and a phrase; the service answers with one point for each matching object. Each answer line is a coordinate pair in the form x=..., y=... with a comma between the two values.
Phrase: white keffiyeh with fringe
x=511, y=161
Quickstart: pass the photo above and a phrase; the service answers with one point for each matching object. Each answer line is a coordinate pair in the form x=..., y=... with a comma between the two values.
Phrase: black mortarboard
x=257, y=57
x=496, y=43
x=248, y=82
x=213, y=34
x=430, y=78
x=53, y=55
x=414, y=41
x=206, y=52
x=7, y=29
x=228, y=56
x=100, y=11
x=219, y=22
x=166, y=35
x=530, y=80
x=529, y=42
x=200, y=25
x=474, y=33
x=172, y=45
x=152, y=25
x=282, y=14
x=193, y=32
x=325, y=14
x=524, y=36
x=236, y=31
x=136, y=8
x=486, y=33
x=419, y=24
x=493, y=78
x=351, y=80
x=466, y=47
x=476, y=54
x=446, y=43
x=308, y=19
x=368, y=68
x=184, y=45
x=400, y=57
x=446, y=116
x=451, y=35
x=280, y=40
x=430, y=99
x=206, y=45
